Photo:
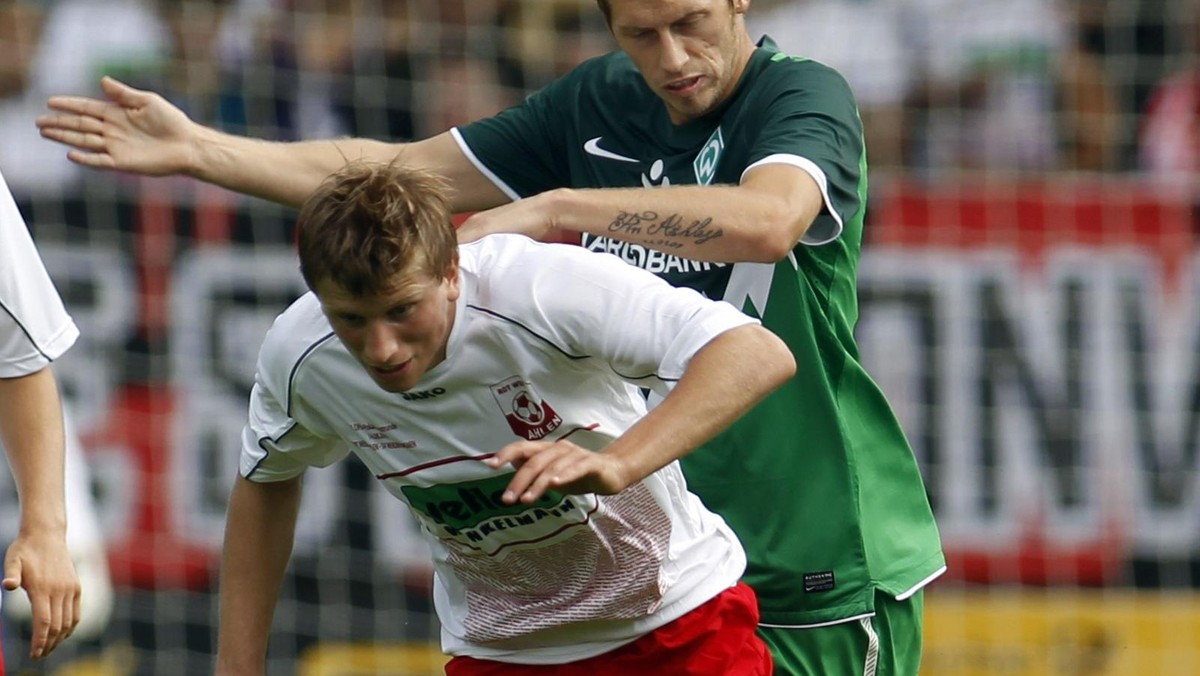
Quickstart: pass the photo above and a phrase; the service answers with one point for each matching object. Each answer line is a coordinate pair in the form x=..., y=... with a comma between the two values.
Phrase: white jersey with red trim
x=548, y=341
x=35, y=328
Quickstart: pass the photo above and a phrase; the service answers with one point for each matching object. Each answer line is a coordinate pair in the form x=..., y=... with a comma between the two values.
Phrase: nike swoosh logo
x=592, y=147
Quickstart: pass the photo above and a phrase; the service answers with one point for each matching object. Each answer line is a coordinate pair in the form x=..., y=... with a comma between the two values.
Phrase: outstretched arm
x=759, y=220
x=141, y=132
x=259, y=531
x=743, y=364
x=31, y=427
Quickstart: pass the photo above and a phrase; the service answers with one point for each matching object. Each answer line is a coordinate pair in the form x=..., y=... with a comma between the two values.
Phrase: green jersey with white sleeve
x=818, y=480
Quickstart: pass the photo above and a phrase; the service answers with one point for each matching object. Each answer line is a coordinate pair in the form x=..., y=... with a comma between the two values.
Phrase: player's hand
x=532, y=217
x=557, y=465
x=41, y=564
x=133, y=130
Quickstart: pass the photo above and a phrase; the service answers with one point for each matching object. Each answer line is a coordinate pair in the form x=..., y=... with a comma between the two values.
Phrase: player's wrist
x=556, y=206
x=43, y=523
x=204, y=149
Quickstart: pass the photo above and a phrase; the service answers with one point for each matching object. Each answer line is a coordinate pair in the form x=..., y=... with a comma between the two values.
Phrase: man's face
x=691, y=52
x=399, y=335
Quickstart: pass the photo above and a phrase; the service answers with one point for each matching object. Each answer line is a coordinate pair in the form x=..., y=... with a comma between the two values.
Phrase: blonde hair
x=369, y=223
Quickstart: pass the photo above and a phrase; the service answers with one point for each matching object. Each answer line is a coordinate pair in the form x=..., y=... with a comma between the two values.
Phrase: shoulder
x=516, y=276
x=295, y=336
x=606, y=78
x=784, y=71
x=782, y=86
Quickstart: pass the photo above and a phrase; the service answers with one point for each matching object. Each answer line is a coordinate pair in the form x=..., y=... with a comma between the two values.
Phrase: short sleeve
x=811, y=121
x=35, y=328
x=277, y=447
x=520, y=149
x=644, y=328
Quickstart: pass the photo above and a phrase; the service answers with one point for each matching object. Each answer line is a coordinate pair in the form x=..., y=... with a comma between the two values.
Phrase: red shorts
x=716, y=639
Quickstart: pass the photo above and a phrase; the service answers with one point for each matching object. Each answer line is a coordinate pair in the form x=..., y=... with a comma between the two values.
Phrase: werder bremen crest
x=706, y=161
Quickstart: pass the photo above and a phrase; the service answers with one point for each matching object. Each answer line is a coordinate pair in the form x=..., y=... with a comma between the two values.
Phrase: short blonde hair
x=369, y=223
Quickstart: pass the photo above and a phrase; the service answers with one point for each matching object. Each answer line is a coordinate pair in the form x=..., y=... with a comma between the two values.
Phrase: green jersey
x=818, y=480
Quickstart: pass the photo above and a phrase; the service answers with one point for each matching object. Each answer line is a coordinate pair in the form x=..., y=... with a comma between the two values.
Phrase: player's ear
x=740, y=6
x=451, y=278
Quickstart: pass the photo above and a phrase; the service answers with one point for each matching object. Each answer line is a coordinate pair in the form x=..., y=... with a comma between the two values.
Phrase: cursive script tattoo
x=631, y=224
x=668, y=232
x=699, y=231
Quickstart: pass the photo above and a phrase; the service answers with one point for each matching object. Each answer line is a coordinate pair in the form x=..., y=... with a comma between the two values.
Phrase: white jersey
x=34, y=326
x=571, y=576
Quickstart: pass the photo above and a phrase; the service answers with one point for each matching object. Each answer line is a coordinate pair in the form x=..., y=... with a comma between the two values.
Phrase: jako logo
x=423, y=394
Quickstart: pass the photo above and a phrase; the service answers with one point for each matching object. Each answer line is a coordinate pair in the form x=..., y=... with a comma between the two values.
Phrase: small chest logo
x=419, y=395
x=707, y=159
x=818, y=582
x=656, y=177
x=527, y=415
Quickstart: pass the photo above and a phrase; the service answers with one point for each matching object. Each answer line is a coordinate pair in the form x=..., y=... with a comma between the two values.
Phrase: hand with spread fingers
x=133, y=130
x=560, y=466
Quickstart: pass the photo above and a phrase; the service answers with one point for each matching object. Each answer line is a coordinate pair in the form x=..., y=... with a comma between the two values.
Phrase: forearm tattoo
x=670, y=232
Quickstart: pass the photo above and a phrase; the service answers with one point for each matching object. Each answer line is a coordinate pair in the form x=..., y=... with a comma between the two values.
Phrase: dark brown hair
x=369, y=223
x=607, y=9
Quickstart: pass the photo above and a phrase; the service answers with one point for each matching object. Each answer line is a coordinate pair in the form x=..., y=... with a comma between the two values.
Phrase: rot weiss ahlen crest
x=527, y=414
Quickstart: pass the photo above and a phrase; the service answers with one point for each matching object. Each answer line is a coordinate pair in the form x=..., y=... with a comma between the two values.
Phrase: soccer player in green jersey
x=719, y=164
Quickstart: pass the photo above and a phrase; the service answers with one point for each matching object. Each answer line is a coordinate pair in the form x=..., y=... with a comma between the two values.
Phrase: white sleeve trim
x=810, y=237
x=483, y=169
x=920, y=585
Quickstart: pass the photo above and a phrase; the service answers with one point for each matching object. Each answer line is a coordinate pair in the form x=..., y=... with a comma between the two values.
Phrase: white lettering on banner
x=223, y=301
x=1056, y=402
x=1057, y=397
x=101, y=296
x=639, y=256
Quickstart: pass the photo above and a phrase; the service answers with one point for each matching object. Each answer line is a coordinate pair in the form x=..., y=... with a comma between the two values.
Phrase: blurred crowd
x=943, y=85
x=1012, y=85
x=282, y=69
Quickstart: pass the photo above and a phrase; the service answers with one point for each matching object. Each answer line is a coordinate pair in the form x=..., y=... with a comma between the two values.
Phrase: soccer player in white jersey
x=34, y=330
x=494, y=388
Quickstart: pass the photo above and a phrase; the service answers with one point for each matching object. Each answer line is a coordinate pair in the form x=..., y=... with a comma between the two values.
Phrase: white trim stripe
x=903, y=595
x=871, y=660
x=818, y=625
x=462, y=145
x=858, y=618
x=809, y=167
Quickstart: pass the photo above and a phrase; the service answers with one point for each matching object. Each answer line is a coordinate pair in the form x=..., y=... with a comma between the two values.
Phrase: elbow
x=778, y=363
x=773, y=249
x=781, y=234
x=785, y=362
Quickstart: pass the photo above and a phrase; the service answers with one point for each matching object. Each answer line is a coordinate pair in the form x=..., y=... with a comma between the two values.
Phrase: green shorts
x=886, y=644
